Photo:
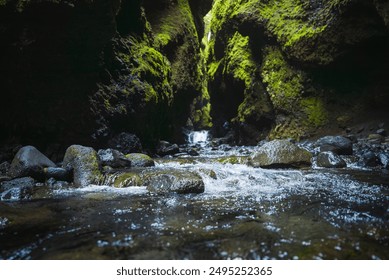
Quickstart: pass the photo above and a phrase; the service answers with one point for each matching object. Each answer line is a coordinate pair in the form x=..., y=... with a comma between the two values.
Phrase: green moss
x=127, y=180
x=284, y=84
x=238, y=59
x=287, y=20
x=315, y=111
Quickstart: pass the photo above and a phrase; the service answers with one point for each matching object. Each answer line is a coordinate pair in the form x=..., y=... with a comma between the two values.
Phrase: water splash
x=198, y=137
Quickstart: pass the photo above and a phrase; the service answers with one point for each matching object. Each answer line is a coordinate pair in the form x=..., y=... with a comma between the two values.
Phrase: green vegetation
x=238, y=60
x=287, y=20
x=284, y=84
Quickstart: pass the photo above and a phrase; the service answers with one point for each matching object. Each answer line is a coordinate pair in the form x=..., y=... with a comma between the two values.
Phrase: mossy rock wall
x=314, y=61
x=82, y=71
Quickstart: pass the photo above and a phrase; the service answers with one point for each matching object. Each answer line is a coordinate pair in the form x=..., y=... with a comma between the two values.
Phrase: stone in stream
x=369, y=159
x=28, y=161
x=384, y=158
x=338, y=144
x=84, y=162
x=113, y=158
x=172, y=181
x=280, y=154
x=165, y=148
x=58, y=173
x=140, y=160
x=330, y=160
x=17, y=189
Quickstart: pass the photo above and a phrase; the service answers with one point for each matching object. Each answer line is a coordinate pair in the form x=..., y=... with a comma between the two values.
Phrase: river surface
x=244, y=213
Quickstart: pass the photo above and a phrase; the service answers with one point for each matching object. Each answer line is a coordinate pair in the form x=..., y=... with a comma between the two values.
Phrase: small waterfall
x=198, y=137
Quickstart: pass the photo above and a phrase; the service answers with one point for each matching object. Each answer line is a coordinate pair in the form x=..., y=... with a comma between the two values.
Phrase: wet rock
x=113, y=158
x=140, y=160
x=280, y=154
x=165, y=148
x=330, y=160
x=376, y=138
x=123, y=180
x=28, y=161
x=338, y=144
x=17, y=189
x=4, y=167
x=84, y=162
x=233, y=160
x=172, y=181
x=193, y=152
x=126, y=143
x=59, y=173
x=370, y=159
x=381, y=132
x=384, y=159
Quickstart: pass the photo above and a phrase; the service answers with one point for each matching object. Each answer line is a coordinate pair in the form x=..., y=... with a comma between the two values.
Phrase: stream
x=244, y=213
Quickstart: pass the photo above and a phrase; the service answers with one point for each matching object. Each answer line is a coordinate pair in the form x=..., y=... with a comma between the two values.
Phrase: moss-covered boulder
x=123, y=179
x=84, y=162
x=140, y=160
x=280, y=154
x=163, y=181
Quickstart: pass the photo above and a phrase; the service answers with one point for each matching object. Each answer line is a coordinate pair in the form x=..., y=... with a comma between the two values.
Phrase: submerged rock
x=172, y=181
x=338, y=144
x=330, y=160
x=85, y=164
x=113, y=158
x=280, y=154
x=140, y=160
x=28, y=161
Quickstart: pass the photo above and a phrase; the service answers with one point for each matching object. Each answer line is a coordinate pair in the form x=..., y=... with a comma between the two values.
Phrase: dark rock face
x=330, y=160
x=29, y=162
x=126, y=143
x=113, y=158
x=280, y=154
x=50, y=53
x=83, y=71
x=337, y=144
x=84, y=162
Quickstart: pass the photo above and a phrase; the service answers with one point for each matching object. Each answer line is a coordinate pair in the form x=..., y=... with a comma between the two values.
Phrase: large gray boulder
x=280, y=154
x=85, y=164
x=172, y=181
x=28, y=161
x=338, y=144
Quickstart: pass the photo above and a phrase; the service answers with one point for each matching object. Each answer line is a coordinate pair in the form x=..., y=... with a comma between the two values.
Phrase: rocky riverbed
x=323, y=199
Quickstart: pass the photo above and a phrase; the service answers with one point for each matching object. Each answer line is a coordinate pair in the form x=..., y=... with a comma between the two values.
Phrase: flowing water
x=244, y=213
